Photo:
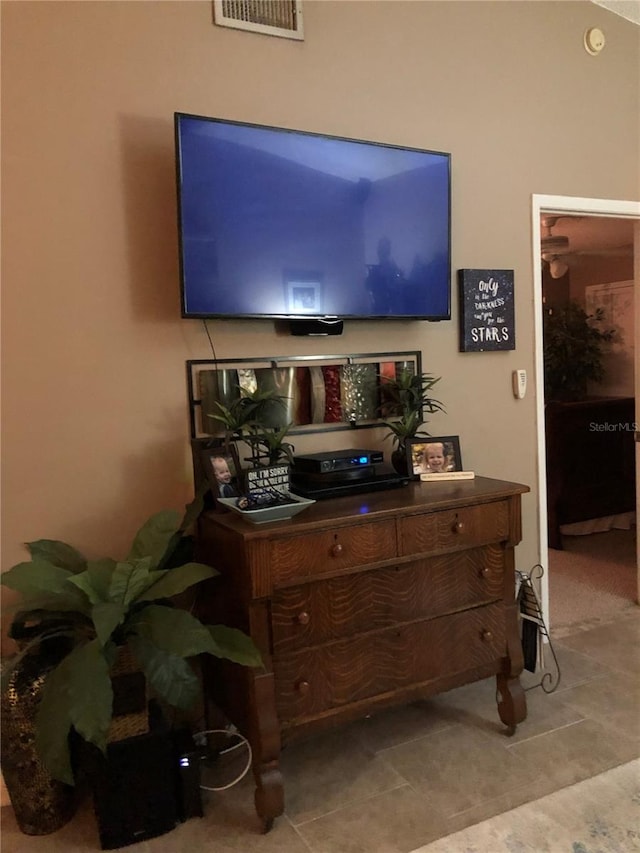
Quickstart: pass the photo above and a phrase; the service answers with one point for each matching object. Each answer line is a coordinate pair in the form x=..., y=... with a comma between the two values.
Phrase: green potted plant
x=406, y=398
x=574, y=346
x=245, y=420
x=272, y=441
x=105, y=606
x=247, y=410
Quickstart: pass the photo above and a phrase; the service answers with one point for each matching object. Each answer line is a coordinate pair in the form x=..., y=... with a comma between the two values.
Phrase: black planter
x=399, y=461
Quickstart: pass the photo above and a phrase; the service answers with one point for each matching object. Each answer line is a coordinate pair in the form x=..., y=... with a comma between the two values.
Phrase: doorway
x=572, y=206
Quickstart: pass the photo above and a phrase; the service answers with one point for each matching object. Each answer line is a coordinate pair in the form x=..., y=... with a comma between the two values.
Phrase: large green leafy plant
x=574, y=345
x=105, y=604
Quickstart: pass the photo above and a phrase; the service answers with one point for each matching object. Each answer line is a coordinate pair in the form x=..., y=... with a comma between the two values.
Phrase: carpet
x=592, y=581
x=598, y=815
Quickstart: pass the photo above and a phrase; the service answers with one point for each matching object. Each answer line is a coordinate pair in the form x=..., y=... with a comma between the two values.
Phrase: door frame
x=571, y=206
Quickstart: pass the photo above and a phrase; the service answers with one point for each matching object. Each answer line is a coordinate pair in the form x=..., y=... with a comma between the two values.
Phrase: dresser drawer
x=332, y=551
x=340, y=607
x=465, y=527
x=312, y=681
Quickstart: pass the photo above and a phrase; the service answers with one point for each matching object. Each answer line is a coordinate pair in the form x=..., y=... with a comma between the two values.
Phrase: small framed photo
x=221, y=467
x=433, y=455
x=303, y=292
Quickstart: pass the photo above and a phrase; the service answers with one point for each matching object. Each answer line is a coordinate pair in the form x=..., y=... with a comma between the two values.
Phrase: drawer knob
x=304, y=618
x=485, y=571
x=336, y=550
x=303, y=687
x=458, y=526
x=487, y=635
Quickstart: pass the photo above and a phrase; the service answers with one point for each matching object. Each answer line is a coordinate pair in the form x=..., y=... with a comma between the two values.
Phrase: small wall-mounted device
x=594, y=41
x=519, y=380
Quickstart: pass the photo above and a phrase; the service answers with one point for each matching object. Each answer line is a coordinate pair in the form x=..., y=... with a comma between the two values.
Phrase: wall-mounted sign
x=487, y=317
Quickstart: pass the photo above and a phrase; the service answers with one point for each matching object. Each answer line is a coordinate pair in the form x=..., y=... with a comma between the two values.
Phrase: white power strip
x=449, y=475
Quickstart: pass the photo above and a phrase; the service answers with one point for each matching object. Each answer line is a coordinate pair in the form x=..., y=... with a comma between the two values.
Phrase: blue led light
x=363, y=460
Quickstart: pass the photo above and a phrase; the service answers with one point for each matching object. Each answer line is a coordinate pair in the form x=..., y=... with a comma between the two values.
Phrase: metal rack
x=534, y=634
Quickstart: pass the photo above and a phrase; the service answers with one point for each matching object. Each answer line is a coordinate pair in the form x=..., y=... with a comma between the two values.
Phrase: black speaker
x=187, y=761
x=134, y=788
x=316, y=327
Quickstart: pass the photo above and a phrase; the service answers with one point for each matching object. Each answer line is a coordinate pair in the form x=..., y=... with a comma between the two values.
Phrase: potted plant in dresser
x=248, y=420
x=406, y=398
x=120, y=620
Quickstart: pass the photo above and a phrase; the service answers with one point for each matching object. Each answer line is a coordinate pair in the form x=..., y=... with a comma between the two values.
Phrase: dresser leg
x=269, y=795
x=265, y=743
x=512, y=706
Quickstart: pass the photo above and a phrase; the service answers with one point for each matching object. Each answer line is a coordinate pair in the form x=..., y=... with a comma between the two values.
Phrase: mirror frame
x=195, y=367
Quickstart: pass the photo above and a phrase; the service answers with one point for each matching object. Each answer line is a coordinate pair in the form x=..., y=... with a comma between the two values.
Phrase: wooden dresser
x=360, y=602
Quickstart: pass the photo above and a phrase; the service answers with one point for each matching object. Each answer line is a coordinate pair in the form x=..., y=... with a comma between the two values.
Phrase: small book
x=448, y=475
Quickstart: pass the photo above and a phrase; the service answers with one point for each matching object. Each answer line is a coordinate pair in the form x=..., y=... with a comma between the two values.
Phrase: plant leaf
x=193, y=509
x=172, y=546
x=92, y=583
x=175, y=581
x=153, y=538
x=129, y=579
x=234, y=645
x=169, y=675
x=107, y=615
x=36, y=576
x=59, y=553
x=67, y=603
x=172, y=630
x=40, y=581
x=100, y=573
x=90, y=692
x=53, y=723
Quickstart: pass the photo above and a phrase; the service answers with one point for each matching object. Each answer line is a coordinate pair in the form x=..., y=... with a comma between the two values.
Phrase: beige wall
x=95, y=431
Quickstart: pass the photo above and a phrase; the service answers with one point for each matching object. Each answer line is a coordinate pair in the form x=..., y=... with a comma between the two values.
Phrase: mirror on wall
x=317, y=393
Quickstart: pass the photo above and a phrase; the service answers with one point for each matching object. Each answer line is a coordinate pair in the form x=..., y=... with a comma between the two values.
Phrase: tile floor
x=393, y=782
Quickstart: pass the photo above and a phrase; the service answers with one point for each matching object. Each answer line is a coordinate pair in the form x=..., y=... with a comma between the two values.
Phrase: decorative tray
x=269, y=513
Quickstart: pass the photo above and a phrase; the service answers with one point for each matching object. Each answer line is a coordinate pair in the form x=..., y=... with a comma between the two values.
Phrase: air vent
x=271, y=17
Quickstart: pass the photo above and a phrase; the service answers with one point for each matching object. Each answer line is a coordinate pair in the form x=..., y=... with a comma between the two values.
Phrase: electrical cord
x=200, y=739
x=213, y=349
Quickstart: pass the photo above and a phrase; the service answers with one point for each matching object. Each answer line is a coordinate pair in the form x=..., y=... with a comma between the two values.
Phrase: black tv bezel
x=197, y=315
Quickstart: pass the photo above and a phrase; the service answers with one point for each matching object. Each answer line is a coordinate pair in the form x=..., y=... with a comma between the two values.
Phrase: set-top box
x=336, y=460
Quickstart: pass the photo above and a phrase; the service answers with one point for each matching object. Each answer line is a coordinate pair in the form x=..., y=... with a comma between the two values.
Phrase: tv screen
x=288, y=224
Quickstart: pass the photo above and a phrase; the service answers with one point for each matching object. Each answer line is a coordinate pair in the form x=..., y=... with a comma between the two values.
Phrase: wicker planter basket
x=130, y=700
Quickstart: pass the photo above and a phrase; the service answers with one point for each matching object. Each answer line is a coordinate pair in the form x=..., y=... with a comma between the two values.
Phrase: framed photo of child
x=221, y=467
x=433, y=455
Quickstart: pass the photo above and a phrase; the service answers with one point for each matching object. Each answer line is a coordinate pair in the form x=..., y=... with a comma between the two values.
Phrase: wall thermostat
x=594, y=41
x=519, y=382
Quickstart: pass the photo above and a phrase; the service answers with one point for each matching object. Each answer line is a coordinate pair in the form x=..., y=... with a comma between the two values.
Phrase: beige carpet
x=598, y=815
x=592, y=580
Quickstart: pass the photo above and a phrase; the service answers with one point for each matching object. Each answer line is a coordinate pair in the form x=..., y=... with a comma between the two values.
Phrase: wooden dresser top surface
x=416, y=497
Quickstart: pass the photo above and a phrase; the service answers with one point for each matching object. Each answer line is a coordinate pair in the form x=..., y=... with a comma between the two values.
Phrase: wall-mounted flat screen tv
x=288, y=224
